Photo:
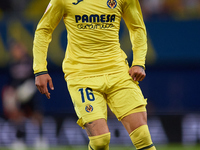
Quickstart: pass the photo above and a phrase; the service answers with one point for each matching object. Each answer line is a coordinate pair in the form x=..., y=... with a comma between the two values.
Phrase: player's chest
x=82, y=7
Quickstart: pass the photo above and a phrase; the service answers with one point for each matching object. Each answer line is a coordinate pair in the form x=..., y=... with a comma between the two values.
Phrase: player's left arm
x=133, y=18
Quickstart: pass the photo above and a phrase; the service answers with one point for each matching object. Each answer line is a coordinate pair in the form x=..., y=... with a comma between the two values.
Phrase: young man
x=95, y=67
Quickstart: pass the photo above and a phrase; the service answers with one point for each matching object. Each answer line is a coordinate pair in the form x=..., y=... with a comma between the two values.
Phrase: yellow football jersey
x=93, y=36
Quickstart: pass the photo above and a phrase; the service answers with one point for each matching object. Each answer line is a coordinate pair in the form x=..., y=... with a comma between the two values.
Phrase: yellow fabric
x=141, y=108
x=151, y=148
x=121, y=94
x=100, y=142
x=93, y=36
x=141, y=138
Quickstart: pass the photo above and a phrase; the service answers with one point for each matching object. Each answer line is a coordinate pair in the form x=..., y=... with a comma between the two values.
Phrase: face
x=17, y=51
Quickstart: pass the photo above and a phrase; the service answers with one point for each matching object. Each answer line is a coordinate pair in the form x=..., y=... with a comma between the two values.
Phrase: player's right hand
x=41, y=82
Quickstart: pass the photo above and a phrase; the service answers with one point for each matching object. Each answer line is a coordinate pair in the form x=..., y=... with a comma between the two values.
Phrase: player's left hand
x=137, y=73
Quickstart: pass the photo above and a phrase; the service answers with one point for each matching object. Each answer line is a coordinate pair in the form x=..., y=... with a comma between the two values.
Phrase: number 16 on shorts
x=88, y=92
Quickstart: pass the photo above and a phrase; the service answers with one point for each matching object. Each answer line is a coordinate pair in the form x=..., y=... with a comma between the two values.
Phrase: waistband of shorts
x=70, y=77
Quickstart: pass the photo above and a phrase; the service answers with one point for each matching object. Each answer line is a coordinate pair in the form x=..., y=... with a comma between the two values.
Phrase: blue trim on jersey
x=139, y=66
x=145, y=148
x=41, y=73
x=91, y=147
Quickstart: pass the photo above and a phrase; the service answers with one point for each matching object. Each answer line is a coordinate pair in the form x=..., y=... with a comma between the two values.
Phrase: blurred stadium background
x=172, y=84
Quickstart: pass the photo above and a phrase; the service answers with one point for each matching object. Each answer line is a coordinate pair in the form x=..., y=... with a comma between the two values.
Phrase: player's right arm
x=43, y=36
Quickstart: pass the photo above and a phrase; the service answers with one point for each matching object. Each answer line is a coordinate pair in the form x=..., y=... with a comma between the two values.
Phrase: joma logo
x=78, y=1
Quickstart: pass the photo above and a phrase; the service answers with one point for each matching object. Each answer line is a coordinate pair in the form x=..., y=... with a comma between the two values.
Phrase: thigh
x=89, y=102
x=134, y=120
x=125, y=94
x=97, y=127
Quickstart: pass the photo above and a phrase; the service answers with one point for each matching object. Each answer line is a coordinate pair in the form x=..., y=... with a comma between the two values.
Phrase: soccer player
x=95, y=67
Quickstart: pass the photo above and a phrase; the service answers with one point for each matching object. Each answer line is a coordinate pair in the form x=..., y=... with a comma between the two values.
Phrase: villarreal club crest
x=112, y=3
x=89, y=108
